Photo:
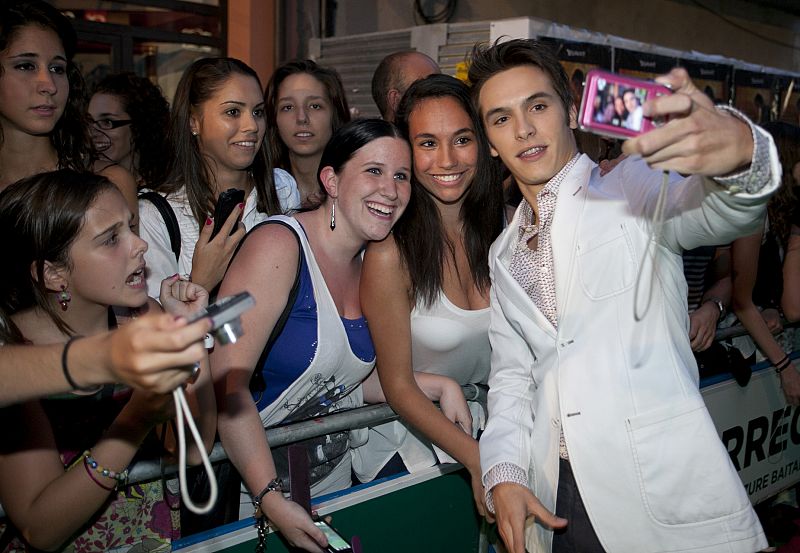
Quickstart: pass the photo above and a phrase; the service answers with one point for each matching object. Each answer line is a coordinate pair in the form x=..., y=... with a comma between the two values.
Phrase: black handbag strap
x=257, y=383
x=170, y=220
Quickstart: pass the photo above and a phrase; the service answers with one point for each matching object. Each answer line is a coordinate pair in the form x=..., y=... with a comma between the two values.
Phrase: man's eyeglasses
x=109, y=124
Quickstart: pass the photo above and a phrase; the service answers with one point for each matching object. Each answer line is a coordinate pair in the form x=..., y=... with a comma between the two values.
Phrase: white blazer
x=650, y=467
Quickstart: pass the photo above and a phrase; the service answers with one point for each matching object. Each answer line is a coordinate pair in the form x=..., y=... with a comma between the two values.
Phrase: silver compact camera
x=225, y=315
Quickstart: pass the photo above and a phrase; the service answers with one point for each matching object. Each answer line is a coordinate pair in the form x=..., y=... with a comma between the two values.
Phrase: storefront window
x=95, y=59
x=163, y=62
x=157, y=39
x=205, y=22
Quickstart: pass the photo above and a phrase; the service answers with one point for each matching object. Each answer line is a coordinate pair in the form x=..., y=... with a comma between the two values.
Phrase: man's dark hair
x=488, y=60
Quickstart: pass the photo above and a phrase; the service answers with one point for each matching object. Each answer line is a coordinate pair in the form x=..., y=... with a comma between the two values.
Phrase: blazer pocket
x=607, y=263
x=684, y=472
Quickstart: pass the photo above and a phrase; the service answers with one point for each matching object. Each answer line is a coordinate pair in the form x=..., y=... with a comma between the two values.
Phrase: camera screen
x=618, y=105
x=335, y=541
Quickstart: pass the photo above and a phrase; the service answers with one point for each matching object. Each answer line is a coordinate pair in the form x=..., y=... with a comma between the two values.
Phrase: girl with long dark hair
x=305, y=105
x=43, y=126
x=425, y=289
x=216, y=135
x=76, y=268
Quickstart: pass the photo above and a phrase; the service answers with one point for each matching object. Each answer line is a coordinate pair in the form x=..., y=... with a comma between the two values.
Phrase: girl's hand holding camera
x=153, y=352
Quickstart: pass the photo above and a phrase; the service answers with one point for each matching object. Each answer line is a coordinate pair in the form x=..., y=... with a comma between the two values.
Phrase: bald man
x=395, y=74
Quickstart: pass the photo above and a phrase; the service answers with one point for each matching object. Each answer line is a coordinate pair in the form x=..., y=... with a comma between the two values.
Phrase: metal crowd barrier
x=362, y=417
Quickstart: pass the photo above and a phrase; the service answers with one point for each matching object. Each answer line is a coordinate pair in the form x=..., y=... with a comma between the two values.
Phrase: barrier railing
x=361, y=417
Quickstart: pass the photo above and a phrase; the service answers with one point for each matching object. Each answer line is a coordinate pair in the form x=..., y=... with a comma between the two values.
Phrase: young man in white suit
x=594, y=408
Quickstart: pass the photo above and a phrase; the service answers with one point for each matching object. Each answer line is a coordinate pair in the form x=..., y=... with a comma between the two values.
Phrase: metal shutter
x=355, y=57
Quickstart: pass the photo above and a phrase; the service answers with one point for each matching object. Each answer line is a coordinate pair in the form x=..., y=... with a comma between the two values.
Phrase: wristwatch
x=718, y=302
x=274, y=485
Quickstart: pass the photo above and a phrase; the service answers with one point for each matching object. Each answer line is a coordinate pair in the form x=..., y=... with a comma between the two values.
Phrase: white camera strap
x=225, y=315
x=182, y=411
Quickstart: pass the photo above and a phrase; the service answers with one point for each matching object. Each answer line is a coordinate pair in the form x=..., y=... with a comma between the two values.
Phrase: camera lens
x=230, y=331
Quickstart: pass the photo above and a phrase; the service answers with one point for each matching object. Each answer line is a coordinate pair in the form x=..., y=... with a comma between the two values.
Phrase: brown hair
x=487, y=61
x=70, y=136
x=419, y=234
x=782, y=205
x=188, y=169
x=40, y=218
x=340, y=112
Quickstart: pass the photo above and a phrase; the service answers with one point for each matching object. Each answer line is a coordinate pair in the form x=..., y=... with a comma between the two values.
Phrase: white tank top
x=445, y=340
x=451, y=341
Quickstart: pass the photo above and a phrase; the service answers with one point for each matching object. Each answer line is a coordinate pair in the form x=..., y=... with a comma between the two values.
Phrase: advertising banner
x=643, y=65
x=712, y=78
x=578, y=58
x=753, y=94
x=759, y=430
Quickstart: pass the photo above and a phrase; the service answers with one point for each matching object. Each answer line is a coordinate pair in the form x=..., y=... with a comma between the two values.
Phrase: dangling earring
x=333, y=214
x=64, y=297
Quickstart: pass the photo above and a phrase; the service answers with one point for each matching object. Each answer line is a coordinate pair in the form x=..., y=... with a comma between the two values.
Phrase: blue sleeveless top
x=296, y=346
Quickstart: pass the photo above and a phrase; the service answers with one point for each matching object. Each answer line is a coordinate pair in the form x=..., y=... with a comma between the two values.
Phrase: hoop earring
x=333, y=214
x=64, y=297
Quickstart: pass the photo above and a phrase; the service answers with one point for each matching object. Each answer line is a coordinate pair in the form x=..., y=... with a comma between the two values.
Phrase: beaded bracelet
x=782, y=364
x=89, y=462
x=96, y=481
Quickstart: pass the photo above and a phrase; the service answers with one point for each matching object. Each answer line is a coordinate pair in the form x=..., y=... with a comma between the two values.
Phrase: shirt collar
x=551, y=187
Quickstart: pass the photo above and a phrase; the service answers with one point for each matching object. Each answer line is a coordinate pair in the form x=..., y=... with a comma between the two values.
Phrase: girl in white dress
x=425, y=289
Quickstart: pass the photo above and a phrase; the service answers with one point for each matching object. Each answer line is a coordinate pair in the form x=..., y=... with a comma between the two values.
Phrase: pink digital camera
x=612, y=104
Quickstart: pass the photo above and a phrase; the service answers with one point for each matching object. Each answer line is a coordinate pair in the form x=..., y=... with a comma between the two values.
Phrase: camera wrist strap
x=182, y=411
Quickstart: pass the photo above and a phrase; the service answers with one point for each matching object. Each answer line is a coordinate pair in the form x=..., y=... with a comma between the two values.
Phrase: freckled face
x=444, y=148
x=33, y=84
